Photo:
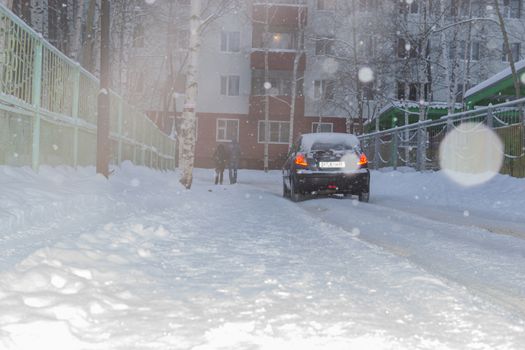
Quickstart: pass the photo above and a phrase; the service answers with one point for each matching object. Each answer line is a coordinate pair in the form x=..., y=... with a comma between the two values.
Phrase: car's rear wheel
x=286, y=191
x=295, y=196
x=364, y=196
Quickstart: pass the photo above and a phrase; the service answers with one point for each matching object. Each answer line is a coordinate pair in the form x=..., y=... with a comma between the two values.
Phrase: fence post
x=376, y=151
x=75, y=111
x=421, y=140
x=449, y=124
x=394, y=148
x=490, y=117
x=406, y=141
x=134, y=137
x=36, y=94
x=119, y=132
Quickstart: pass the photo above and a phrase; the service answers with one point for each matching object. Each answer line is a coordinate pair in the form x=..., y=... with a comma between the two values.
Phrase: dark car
x=326, y=163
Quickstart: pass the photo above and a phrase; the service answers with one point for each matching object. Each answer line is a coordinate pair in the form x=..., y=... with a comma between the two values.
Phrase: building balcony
x=278, y=59
x=281, y=2
x=287, y=13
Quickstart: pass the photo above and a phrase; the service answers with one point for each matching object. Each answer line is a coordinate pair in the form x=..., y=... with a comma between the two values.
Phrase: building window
x=136, y=82
x=367, y=90
x=281, y=41
x=322, y=127
x=179, y=85
x=400, y=90
x=138, y=35
x=227, y=130
x=406, y=49
x=511, y=8
x=183, y=39
x=324, y=89
x=230, y=85
x=460, y=8
x=405, y=7
x=459, y=92
x=230, y=41
x=324, y=46
x=414, y=91
x=326, y=4
x=515, y=49
x=367, y=5
x=474, y=51
x=279, y=132
x=278, y=83
x=464, y=50
x=367, y=45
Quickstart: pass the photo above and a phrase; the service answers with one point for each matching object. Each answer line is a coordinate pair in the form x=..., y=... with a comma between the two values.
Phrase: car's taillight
x=363, y=161
x=300, y=159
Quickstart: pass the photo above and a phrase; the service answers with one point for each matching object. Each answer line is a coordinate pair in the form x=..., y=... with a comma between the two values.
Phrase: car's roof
x=307, y=140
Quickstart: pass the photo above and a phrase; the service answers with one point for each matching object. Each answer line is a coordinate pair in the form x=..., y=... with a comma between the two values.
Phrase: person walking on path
x=219, y=157
x=235, y=154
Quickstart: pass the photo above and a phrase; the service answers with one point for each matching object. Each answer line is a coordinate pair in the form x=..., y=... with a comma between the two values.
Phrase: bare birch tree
x=187, y=130
x=200, y=18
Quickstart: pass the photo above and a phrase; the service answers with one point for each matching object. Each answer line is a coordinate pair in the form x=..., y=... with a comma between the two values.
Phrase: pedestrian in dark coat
x=220, y=157
x=235, y=154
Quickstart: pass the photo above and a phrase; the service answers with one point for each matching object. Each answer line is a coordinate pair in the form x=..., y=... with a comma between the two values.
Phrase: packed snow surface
x=137, y=262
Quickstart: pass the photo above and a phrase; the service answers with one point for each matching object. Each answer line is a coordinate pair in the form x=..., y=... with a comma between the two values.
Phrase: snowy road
x=142, y=264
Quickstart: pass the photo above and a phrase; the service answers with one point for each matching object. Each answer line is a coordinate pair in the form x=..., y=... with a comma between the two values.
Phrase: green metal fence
x=418, y=145
x=48, y=109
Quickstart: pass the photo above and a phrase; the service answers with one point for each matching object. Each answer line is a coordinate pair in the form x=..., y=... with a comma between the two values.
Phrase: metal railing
x=417, y=145
x=48, y=109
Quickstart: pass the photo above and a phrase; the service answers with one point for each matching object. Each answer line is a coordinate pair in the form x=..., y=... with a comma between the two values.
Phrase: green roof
x=497, y=89
x=393, y=114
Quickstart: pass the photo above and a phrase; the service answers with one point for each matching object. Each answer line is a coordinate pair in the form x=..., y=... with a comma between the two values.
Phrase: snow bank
x=137, y=262
x=502, y=197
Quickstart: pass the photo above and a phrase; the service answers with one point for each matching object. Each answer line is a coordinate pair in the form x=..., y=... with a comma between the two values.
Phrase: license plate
x=332, y=164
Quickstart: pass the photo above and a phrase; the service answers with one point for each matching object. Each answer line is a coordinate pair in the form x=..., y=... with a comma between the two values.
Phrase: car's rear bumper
x=353, y=182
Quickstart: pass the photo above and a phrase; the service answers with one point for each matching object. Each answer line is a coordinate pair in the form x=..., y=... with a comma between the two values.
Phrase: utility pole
x=103, y=95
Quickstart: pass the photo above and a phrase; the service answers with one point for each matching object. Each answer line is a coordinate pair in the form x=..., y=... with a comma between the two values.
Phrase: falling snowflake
x=365, y=75
x=267, y=85
x=471, y=154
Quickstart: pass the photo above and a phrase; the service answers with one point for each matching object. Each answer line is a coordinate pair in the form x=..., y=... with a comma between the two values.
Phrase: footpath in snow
x=137, y=262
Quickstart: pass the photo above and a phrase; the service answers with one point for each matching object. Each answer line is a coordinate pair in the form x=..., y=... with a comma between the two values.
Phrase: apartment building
x=265, y=58
x=416, y=51
x=249, y=60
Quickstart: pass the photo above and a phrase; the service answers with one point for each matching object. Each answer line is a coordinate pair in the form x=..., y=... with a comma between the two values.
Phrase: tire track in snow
x=372, y=217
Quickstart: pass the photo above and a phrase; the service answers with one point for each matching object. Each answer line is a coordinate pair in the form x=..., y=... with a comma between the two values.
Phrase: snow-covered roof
x=507, y=72
x=328, y=137
x=411, y=104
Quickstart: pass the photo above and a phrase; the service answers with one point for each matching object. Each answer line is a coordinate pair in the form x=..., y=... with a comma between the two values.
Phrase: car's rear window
x=324, y=146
